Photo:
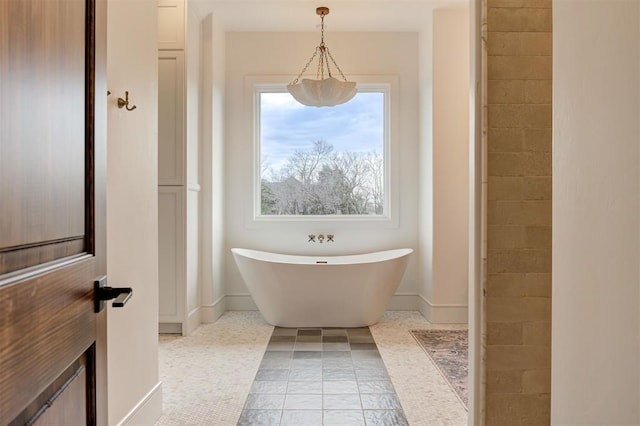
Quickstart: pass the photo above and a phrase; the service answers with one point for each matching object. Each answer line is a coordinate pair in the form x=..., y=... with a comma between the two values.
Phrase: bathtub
x=321, y=291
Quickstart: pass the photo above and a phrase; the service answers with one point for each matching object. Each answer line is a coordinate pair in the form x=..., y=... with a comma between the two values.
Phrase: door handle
x=104, y=293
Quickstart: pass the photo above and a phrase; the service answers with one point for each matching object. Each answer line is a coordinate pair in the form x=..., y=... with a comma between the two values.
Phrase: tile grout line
x=378, y=406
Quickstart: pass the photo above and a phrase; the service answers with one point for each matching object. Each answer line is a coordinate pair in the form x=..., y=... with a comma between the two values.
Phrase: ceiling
x=299, y=15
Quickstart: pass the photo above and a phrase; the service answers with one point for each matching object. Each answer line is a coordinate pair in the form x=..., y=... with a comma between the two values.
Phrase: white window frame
x=255, y=85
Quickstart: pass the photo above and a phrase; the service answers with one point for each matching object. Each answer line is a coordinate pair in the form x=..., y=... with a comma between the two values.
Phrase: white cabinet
x=171, y=240
x=171, y=24
x=171, y=118
x=178, y=286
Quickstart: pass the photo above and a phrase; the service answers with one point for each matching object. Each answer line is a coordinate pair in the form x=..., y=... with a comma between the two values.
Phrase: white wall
x=134, y=391
x=193, y=84
x=595, y=328
x=212, y=168
x=285, y=54
x=444, y=172
x=425, y=224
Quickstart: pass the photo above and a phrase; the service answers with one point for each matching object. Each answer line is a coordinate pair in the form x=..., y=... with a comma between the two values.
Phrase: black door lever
x=104, y=292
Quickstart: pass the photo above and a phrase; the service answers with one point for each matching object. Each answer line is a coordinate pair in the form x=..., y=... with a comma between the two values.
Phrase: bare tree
x=319, y=181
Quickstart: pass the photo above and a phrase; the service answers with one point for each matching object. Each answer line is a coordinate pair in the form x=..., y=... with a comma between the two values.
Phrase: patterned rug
x=449, y=351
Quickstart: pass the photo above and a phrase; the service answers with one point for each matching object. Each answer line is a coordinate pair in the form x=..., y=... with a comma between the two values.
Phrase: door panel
x=52, y=236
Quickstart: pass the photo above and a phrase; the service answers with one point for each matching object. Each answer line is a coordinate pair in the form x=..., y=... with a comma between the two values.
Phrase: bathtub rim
x=349, y=259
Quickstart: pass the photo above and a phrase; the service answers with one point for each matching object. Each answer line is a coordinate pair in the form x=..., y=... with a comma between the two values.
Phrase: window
x=329, y=162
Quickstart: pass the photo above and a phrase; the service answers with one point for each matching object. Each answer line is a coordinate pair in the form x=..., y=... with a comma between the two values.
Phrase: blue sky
x=287, y=126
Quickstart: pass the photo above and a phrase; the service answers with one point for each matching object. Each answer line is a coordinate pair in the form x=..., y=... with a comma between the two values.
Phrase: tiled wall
x=518, y=287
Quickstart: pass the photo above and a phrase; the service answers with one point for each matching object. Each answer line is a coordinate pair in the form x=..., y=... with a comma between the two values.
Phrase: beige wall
x=212, y=168
x=518, y=287
x=596, y=213
x=134, y=390
x=450, y=172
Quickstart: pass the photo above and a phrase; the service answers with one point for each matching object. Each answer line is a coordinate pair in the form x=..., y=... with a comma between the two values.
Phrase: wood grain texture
x=52, y=206
x=46, y=323
x=42, y=131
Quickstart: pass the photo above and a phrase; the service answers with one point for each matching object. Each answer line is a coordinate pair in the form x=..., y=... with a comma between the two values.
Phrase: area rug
x=448, y=349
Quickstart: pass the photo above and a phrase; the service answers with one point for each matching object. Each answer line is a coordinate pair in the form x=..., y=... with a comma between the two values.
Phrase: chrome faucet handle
x=320, y=238
x=329, y=238
x=312, y=238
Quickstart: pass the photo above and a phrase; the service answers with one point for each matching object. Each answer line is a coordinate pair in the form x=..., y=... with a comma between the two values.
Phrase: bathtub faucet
x=320, y=238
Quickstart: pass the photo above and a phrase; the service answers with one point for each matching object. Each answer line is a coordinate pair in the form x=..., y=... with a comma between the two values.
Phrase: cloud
x=287, y=126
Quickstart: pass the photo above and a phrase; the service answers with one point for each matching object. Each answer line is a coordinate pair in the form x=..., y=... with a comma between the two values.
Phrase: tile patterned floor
x=328, y=376
x=208, y=377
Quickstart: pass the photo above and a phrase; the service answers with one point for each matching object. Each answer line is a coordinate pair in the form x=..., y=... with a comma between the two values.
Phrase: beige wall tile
x=506, y=236
x=537, y=284
x=537, y=333
x=519, y=164
x=537, y=43
x=502, y=333
x=518, y=260
x=538, y=140
x=519, y=284
x=519, y=68
x=520, y=115
x=505, y=139
x=504, y=43
x=519, y=212
x=518, y=309
x=506, y=285
x=519, y=19
x=518, y=410
x=519, y=237
x=537, y=237
x=506, y=91
x=504, y=382
x=501, y=358
x=537, y=188
x=537, y=91
x=504, y=409
x=536, y=381
x=505, y=188
x=536, y=409
x=520, y=3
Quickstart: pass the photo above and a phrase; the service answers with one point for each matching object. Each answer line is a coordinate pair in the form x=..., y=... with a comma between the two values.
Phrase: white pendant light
x=322, y=91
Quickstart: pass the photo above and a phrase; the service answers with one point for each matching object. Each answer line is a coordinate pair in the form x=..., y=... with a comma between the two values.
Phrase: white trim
x=194, y=187
x=403, y=302
x=210, y=313
x=387, y=83
x=240, y=302
x=148, y=410
x=443, y=313
x=170, y=328
x=192, y=322
x=244, y=302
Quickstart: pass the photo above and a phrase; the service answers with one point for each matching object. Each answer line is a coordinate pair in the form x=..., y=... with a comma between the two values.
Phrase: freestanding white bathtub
x=321, y=291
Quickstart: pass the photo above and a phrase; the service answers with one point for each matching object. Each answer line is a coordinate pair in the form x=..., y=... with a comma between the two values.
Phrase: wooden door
x=52, y=211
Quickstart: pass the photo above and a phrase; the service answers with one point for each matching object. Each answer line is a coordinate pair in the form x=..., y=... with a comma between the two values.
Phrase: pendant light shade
x=322, y=91
x=327, y=92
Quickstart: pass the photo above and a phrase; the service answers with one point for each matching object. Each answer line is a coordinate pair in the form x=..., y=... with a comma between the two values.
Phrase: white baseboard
x=210, y=313
x=193, y=321
x=403, y=302
x=443, y=313
x=147, y=411
x=240, y=302
x=435, y=313
x=170, y=328
x=244, y=302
